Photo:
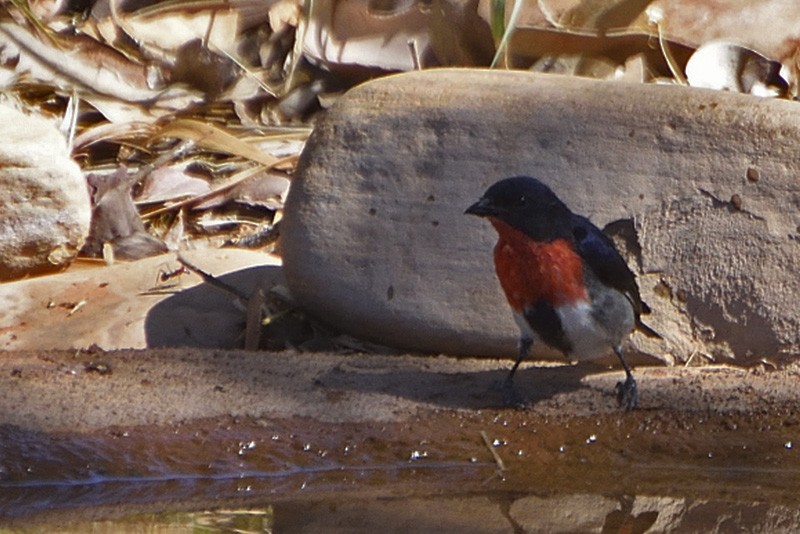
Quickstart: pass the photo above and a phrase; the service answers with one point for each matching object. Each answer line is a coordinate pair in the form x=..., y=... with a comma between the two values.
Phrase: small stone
x=44, y=202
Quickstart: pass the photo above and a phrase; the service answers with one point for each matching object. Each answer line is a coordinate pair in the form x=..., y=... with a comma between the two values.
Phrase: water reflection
x=472, y=513
x=441, y=472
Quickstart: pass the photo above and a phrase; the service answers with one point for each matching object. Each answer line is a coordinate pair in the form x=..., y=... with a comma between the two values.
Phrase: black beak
x=482, y=208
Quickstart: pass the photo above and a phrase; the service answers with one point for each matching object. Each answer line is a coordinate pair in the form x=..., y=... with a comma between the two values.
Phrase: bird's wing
x=599, y=253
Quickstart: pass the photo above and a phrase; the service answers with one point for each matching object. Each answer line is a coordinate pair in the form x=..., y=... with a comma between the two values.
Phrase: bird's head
x=526, y=204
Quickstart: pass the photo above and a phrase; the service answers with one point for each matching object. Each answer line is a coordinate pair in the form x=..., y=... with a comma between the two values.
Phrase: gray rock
x=44, y=203
x=699, y=187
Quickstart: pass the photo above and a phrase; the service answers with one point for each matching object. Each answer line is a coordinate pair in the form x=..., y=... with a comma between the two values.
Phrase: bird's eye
x=521, y=201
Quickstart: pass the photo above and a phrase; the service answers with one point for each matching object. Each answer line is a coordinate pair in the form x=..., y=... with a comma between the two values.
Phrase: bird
x=566, y=282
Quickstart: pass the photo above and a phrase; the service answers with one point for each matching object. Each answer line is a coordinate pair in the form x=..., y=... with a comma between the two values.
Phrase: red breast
x=530, y=271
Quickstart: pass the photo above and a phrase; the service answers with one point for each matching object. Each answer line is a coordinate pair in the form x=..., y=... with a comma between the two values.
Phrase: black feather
x=545, y=322
x=600, y=254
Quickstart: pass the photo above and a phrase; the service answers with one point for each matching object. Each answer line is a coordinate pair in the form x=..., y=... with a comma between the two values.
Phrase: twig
x=499, y=461
x=76, y=307
x=212, y=280
x=70, y=121
x=262, y=237
x=656, y=16
x=230, y=183
x=415, y=59
x=255, y=309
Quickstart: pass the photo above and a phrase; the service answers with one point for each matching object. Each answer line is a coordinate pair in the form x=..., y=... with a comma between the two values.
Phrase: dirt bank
x=111, y=433
x=79, y=390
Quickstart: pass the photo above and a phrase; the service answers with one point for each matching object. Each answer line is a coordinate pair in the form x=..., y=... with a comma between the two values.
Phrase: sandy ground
x=80, y=390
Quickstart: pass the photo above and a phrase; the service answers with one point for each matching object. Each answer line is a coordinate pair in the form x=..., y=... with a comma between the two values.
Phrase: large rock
x=700, y=188
x=44, y=203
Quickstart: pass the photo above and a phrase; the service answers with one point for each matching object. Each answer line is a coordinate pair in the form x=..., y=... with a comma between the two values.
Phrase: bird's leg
x=508, y=384
x=524, y=347
x=627, y=392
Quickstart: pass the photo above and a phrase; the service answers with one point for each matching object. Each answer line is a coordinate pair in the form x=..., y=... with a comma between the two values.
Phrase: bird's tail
x=646, y=330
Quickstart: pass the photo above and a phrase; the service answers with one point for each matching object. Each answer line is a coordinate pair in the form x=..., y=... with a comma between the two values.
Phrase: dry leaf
x=166, y=104
x=203, y=69
x=214, y=138
x=349, y=32
x=599, y=16
x=164, y=28
x=219, y=189
x=113, y=84
x=171, y=183
x=533, y=43
x=727, y=66
x=267, y=190
x=78, y=63
x=46, y=10
x=109, y=131
x=116, y=222
x=284, y=14
x=459, y=36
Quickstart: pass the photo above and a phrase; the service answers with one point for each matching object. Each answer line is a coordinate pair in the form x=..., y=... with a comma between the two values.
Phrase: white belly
x=585, y=335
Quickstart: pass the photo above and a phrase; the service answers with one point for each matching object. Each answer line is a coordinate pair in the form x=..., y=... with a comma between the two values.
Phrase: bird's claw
x=511, y=397
x=627, y=393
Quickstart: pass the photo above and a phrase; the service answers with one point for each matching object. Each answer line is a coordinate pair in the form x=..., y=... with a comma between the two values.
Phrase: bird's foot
x=627, y=393
x=511, y=397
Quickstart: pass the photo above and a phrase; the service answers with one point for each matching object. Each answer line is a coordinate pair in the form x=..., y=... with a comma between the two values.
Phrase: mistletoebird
x=566, y=283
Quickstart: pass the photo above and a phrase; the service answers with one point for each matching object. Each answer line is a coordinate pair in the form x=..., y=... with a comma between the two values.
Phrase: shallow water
x=483, y=471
